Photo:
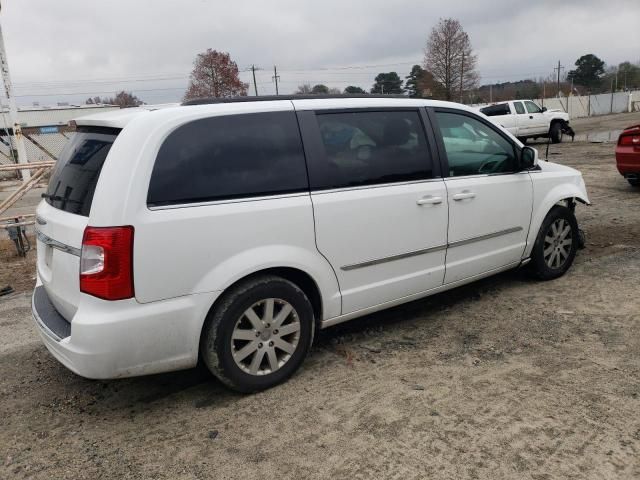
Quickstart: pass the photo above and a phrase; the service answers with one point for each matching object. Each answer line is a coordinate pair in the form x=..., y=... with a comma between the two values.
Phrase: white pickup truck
x=525, y=119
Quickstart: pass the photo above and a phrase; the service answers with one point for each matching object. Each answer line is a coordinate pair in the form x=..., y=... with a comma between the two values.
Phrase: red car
x=628, y=154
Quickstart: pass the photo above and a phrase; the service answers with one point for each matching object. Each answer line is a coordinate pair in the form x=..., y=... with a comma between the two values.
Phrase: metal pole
x=255, y=85
x=461, y=76
x=276, y=77
x=13, y=110
x=611, y=110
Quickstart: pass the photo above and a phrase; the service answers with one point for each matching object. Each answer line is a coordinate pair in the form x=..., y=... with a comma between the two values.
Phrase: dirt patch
x=504, y=378
x=16, y=271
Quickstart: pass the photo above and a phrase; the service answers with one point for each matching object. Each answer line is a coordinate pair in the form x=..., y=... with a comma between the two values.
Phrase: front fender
x=545, y=199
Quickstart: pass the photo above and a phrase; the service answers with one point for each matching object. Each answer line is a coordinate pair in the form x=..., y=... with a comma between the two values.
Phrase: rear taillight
x=630, y=140
x=106, y=262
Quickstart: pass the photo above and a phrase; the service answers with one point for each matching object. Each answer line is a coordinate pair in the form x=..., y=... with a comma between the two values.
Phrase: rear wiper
x=52, y=197
x=58, y=198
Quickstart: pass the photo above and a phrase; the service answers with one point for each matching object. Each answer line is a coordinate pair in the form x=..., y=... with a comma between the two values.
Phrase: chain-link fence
x=45, y=132
x=41, y=145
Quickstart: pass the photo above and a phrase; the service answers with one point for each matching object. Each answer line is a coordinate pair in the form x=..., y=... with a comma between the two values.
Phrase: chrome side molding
x=391, y=258
x=423, y=251
x=479, y=238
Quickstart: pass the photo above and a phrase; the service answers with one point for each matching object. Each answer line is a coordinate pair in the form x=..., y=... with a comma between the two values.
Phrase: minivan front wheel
x=259, y=334
x=556, y=244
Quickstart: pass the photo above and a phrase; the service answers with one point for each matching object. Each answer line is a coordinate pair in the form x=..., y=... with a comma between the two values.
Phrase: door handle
x=429, y=200
x=531, y=117
x=463, y=196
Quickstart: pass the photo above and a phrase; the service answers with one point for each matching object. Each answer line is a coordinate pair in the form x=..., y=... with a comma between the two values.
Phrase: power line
x=96, y=93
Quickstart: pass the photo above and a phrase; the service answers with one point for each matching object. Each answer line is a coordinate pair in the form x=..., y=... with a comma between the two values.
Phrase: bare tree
x=304, y=89
x=215, y=75
x=122, y=99
x=450, y=59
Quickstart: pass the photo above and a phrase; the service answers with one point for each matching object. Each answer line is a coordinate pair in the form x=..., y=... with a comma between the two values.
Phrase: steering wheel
x=491, y=165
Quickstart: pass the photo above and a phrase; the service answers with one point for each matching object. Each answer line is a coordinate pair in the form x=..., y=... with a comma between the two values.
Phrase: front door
x=489, y=204
x=537, y=119
x=379, y=204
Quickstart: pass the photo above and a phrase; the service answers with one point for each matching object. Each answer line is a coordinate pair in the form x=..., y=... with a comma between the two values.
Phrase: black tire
x=216, y=348
x=555, y=132
x=523, y=140
x=539, y=266
x=634, y=182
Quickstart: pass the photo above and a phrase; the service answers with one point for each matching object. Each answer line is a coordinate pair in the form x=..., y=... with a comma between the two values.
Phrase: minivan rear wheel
x=556, y=245
x=258, y=334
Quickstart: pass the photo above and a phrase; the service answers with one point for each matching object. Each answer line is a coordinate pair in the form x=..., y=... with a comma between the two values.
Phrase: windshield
x=76, y=173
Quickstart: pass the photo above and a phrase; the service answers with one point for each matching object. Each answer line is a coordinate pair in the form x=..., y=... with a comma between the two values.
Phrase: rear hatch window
x=76, y=173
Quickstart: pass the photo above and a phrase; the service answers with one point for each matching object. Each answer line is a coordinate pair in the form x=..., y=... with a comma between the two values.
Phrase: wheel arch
x=565, y=195
x=297, y=276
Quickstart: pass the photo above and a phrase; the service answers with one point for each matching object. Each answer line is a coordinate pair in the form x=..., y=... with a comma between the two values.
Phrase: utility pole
x=13, y=110
x=559, y=67
x=255, y=85
x=461, y=77
x=490, y=93
x=276, y=77
x=611, y=109
x=625, y=79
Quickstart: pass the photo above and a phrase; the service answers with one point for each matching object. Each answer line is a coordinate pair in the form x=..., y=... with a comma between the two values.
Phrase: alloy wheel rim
x=265, y=336
x=557, y=244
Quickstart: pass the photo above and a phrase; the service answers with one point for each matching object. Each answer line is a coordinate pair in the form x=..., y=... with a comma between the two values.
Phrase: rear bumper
x=124, y=338
x=628, y=160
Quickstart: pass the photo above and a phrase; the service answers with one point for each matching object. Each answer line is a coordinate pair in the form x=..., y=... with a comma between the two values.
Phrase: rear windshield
x=76, y=173
x=495, y=110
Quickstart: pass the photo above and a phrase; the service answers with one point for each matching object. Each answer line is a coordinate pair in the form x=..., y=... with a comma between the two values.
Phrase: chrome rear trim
x=50, y=242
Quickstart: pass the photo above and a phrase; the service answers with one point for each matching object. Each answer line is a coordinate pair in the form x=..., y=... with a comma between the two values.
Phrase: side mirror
x=528, y=158
x=544, y=109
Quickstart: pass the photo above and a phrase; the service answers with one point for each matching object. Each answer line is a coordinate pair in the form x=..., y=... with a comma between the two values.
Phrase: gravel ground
x=504, y=378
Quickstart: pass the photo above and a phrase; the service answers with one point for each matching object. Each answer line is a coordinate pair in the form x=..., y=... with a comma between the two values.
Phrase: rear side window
x=519, y=107
x=494, y=110
x=76, y=173
x=365, y=148
x=229, y=157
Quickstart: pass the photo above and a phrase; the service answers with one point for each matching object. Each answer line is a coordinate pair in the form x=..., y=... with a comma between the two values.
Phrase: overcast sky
x=88, y=48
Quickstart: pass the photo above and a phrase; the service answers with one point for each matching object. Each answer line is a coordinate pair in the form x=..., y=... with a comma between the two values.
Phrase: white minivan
x=230, y=230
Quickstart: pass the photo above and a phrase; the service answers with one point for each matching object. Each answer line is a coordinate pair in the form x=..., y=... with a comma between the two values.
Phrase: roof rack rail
x=267, y=98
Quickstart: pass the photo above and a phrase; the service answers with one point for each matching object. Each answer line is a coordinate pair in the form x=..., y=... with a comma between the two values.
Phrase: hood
x=557, y=113
x=569, y=175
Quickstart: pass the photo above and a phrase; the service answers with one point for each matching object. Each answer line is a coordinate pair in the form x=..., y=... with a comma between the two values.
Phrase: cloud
x=69, y=46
